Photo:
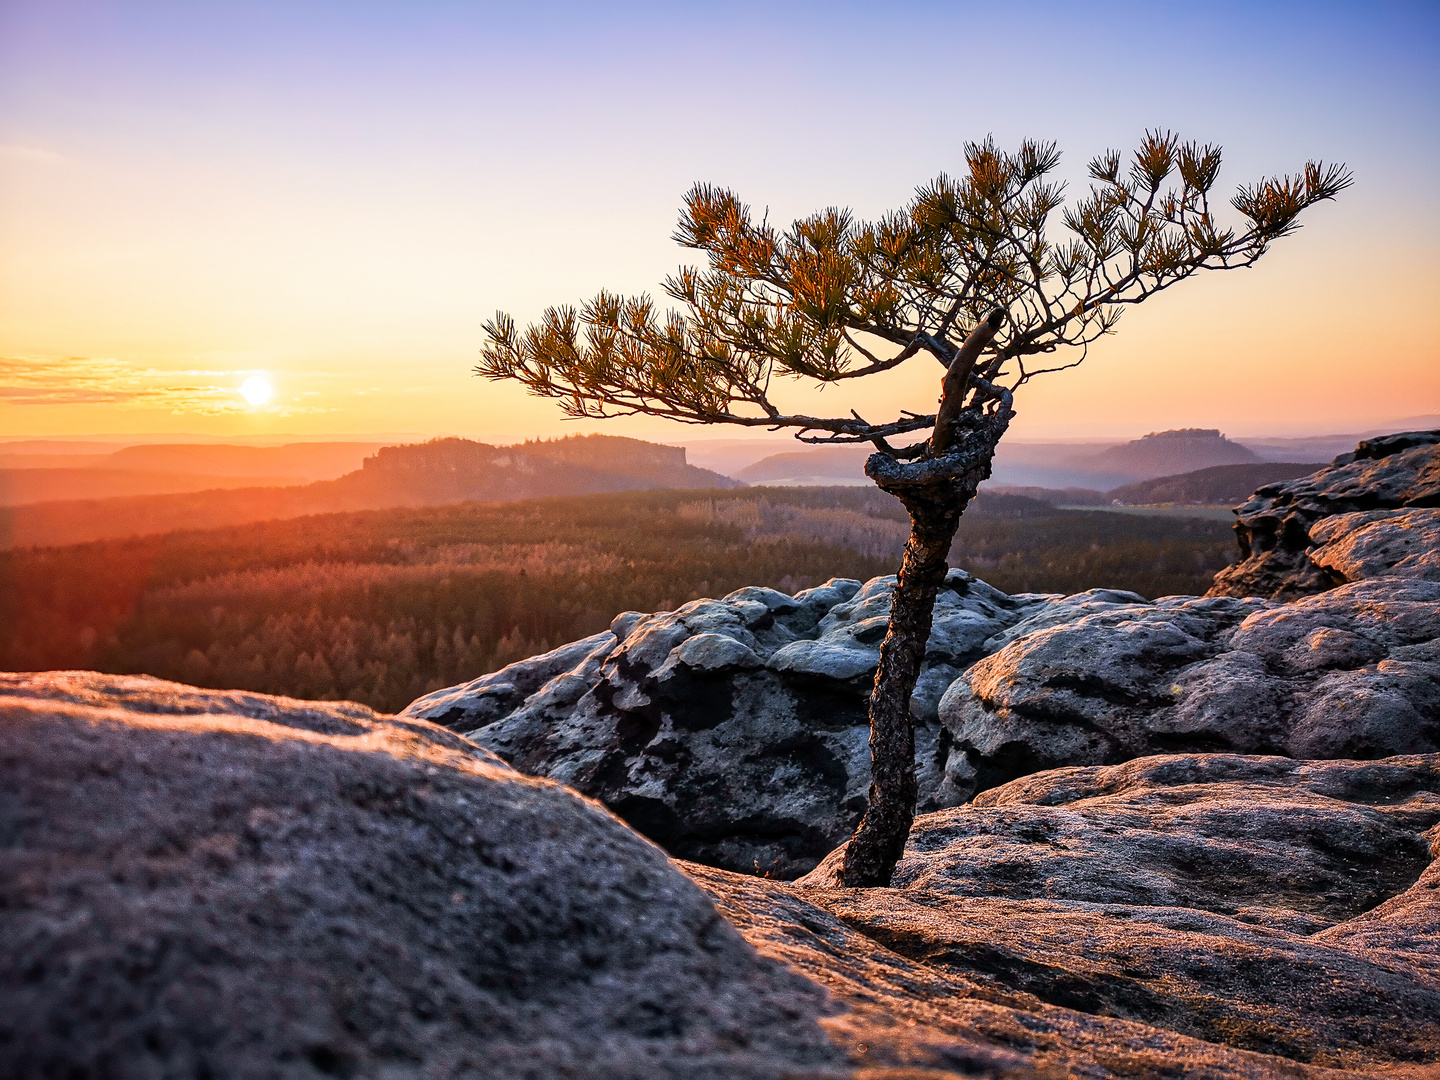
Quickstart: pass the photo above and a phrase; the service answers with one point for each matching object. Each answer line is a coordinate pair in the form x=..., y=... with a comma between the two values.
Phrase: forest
x=382, y=606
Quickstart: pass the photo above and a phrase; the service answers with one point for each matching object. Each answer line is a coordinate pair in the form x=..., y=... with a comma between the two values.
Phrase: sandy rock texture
x=1180, y=915
x=1353, y=672
x=1275, y=529
x=733, y=732
x=1378, y=543
x=196, y=883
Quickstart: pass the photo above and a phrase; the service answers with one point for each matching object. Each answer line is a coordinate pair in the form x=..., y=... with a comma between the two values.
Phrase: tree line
x=382, y=606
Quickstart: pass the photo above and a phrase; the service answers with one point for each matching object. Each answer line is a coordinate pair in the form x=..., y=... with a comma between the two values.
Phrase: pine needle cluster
x=834, y=298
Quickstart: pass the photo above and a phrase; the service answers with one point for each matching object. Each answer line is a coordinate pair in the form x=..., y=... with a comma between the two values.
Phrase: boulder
x=1353, y=672
x=1275, y=528
x=733, y=732
x=195, y=883
x=1181, y=915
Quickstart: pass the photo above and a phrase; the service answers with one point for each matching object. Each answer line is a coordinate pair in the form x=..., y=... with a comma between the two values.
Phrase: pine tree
x=967, y=274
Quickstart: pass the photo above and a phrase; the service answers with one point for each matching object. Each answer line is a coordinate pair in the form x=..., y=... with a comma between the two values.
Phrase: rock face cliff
x=1275, y=529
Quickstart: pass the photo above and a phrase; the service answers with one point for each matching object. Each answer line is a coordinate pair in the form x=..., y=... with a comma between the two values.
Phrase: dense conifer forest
x=382, y=606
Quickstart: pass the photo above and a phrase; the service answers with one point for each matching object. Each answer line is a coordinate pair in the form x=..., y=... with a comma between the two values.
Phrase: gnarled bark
x=935, y=492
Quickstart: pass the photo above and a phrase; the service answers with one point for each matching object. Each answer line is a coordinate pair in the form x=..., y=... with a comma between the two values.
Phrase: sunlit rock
x=1378, y=543
x=1275, y=528
x=1196, y=915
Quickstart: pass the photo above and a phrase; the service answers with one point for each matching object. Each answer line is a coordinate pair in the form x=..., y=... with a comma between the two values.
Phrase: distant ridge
x=1161, y=453
x=170, y=469
x=420, y=474
x=1219, y=485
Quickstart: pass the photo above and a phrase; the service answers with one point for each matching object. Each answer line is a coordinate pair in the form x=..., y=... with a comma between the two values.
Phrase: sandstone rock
x=1195, y=915
x=734, y=731
x=1274, y=528
x=1353, y=672
x=1378, y=543
x=196, y=883
x=489, y=698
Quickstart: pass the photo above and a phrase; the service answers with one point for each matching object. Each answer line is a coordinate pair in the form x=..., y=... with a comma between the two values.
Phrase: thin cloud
x=32, y=154
x=82, y=380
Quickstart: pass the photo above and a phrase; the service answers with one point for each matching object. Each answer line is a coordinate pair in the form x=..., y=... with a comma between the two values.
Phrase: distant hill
x=421, y=474
x=821, y=464
x=21, y=486
x=1166, y=453
x=171, y=468
x=1219, y=485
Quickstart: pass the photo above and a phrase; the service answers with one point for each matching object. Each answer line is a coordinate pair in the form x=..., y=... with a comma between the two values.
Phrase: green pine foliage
x=383, y=606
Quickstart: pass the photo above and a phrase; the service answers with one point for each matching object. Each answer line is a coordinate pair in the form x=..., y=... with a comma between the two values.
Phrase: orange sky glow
x=334, y=198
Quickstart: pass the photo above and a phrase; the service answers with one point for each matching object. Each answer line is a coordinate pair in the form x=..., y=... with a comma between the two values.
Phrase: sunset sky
x=334, y=197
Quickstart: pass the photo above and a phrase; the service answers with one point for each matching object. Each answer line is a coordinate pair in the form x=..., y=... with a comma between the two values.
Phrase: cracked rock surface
x=1196, y=915
x=196, y=883
x=733, y=732
x=1349, y=673
x=1276, y=528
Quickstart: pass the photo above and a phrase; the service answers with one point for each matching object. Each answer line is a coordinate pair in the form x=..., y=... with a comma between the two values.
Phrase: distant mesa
x=452, y=470
x=420, y=474
x=1164, y=453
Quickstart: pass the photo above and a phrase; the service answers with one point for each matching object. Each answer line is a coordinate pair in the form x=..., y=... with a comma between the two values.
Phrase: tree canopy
x=833, y=298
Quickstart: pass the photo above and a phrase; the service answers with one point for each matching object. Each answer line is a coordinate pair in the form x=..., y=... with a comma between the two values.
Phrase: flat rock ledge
x=196, y=883
x=1180, y=915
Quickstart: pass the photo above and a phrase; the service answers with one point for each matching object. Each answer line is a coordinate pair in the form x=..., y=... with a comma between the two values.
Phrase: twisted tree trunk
x=935, y=492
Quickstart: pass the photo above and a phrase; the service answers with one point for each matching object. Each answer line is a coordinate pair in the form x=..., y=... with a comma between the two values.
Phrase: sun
x=255, y=390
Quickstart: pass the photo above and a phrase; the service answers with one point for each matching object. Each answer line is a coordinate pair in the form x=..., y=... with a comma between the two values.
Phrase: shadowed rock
x=196, y=883
x=734, y=732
